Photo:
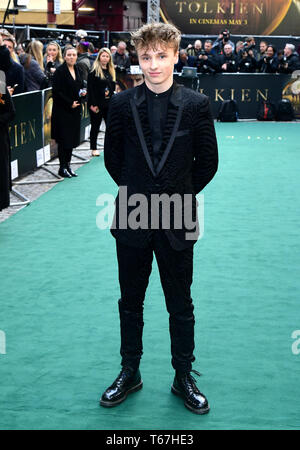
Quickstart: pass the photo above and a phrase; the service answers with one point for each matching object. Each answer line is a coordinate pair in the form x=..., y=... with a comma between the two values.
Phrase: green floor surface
x=59, y=292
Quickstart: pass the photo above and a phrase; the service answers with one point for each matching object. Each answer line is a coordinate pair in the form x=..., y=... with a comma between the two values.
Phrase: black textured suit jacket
x=188, y=156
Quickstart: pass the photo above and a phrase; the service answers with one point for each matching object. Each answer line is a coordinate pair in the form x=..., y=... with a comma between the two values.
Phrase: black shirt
x=157, y=105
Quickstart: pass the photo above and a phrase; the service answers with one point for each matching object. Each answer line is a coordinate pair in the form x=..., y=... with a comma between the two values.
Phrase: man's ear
x=176, y=57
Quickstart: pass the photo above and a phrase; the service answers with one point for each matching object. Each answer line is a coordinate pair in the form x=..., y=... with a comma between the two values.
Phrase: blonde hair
x=35, y=48
x=153, y=34
x=59, y=57
x=97, y=68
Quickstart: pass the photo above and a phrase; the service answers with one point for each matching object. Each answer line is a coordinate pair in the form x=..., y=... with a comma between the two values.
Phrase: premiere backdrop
x=259, y=17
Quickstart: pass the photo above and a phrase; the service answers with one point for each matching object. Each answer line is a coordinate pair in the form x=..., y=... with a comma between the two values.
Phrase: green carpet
x=59, y=292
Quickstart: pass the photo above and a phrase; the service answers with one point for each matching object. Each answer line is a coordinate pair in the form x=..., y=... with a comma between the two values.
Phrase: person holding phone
x=68, y=90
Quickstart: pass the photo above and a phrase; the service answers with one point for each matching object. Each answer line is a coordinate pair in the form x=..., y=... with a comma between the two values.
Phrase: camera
x=121, y=69
x=225, y=36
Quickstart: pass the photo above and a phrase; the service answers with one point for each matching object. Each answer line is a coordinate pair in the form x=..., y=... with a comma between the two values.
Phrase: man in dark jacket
x=207, y=62
x=229, y=61
x=83, y=61
x=290, y=61
x=121, y=59
x=160, y=148
x=184, y=60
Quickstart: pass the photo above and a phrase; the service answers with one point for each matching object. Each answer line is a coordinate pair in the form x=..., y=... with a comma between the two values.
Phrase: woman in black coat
x=101, y=86
x=68, y=89
x=7, y=113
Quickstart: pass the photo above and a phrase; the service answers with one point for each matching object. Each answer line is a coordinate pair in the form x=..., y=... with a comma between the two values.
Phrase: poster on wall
x=242, y=17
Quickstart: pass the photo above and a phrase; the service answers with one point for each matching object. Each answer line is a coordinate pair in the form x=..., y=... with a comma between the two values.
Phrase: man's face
x=207, y=47
x=121, y=49
x=228, y=50
x=287, y=51
x=157, y=66
x=263, y=47
x=270, y=52
x=9, y=45
x=198, y=45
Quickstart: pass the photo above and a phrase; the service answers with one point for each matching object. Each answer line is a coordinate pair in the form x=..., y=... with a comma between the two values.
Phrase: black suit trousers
x=96, y=120
x=176, y=274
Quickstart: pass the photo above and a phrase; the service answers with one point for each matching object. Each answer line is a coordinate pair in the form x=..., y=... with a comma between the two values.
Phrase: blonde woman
x=101, y=86
x=52, y=60
x=35, y=49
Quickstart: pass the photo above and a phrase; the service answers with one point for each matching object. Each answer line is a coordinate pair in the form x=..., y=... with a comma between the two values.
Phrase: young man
x=160, y=141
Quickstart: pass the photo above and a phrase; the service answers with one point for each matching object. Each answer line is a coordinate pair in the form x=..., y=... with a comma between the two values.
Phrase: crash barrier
x=248, y=90
x=30, y=131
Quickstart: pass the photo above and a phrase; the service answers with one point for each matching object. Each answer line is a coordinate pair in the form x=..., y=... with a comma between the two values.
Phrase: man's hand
x=224, y=67
x=10, y=90
x=95, y=109
x=75, y=105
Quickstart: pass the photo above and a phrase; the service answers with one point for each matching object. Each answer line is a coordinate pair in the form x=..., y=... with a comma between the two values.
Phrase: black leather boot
x=64, y=173
x=127, y=381
x=71, y=172
x=184, y=385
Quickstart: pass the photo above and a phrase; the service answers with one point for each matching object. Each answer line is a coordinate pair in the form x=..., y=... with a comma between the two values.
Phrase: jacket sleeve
x=91, y=89
x=205, y=146
x=9, y=113
x=113, y=144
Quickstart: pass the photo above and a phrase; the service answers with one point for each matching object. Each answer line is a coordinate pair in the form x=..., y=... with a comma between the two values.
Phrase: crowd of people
x=223, y=56
x=76, y=72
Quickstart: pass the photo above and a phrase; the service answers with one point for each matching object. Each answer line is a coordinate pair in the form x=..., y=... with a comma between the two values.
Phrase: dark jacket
x=84, y=64
x=267, y=65
x=35, y=79
x=96, y=90
x=121, y=60
x=246, y=64
x=191, y=62
x=231, y=61
x=48, y=66
x=209, y=65
x=293, y=62
x=188, y=155
x=65, y=120
x=14, y=72
x=7, y=113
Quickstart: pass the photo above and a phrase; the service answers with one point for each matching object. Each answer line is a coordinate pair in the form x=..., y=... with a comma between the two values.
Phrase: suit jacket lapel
x=139, y=110
x=173, y=120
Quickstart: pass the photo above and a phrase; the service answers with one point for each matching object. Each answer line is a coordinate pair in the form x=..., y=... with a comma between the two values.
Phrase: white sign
x=56, y=7
x=40, y=157
x=14, y=169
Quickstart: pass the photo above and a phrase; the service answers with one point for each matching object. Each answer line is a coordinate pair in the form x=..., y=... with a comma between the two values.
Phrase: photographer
x=263, y=46
x=120, y=59
x=221, y=41
x=184, y=61
x=290, y=61
x=249, y=46
x=194, y=50
x=207, y=62
x=228, y=62
x=269, y=63
x=246, y=59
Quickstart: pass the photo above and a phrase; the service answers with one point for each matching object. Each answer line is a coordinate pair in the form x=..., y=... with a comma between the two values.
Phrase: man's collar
x=175, y=98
